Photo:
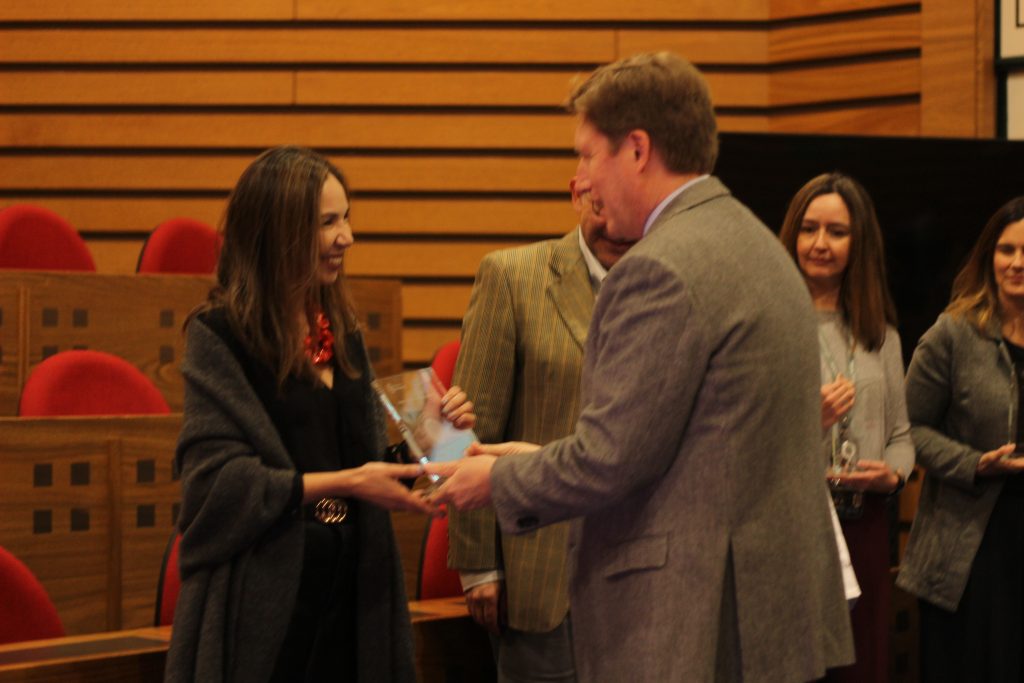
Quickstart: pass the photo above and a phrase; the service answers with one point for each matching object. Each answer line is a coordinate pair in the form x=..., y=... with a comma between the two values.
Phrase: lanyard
x=839, y=429
x=830, y=360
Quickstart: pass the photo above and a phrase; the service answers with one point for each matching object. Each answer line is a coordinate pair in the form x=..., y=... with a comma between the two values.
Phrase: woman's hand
x=458, y=409
x=836, y=400
x=1000, y=461
x=870, y=475
x=374, y=482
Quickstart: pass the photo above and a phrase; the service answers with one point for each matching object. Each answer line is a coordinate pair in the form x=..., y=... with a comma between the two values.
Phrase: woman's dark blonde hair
x=864, y=298
x=267, y=275
x=975, y=296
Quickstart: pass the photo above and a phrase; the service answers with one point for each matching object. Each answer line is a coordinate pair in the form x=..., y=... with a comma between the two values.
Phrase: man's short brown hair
x=660, y=93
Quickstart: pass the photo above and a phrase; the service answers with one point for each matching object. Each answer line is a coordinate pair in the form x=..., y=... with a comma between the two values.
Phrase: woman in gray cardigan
x=965, y=557
x=288, y=564
x=832, y=233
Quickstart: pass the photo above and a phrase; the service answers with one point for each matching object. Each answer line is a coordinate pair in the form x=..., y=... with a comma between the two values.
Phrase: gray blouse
x=878, y=420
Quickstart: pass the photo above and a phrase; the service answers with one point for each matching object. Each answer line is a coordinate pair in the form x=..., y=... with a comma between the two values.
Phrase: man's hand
x=467, y=483
x=486, y=603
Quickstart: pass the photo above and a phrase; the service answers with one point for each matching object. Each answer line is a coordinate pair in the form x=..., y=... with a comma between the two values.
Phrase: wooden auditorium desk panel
x=89, y=503
x=139, y=318
x=138, y=655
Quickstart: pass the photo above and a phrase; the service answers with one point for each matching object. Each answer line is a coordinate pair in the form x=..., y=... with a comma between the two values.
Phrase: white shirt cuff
x=474, y=579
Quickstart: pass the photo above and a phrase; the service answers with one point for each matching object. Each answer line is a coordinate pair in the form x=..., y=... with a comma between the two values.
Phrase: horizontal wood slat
x=259, y=130
x=832, y=83
x=493, y=89
x=880, y=119
x=441, y=173
x=370, y=215
x=844, y=38
x=435, y=301
x=116, y=87
x=313, y=44
x=398, y=258
x=121, y=10
x=534, y=10
x=789, y=9
x=420, y=343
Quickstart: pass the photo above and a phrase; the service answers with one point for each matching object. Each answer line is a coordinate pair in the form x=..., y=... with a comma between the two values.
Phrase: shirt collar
x=594, y=267
x=667, y=200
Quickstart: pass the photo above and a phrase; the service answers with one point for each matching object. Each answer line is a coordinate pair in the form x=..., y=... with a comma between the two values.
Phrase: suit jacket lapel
x=570, y=287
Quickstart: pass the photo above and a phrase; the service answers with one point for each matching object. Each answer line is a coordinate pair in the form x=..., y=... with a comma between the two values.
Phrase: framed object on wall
x=1010, y=64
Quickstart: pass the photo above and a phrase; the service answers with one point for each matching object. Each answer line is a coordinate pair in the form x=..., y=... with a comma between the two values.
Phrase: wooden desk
x=139, y=654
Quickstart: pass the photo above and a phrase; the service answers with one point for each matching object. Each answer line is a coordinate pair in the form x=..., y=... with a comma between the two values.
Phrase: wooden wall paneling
x=884, y=118
x=371, y=215
x=435, y=301
x=52, y=476
x=789, y=9
x=421, y=341
x=746, y=45
x=529, y=173
x=957, y=78
x=534, y=10
x=121, y=10
x=506, y=215
x=120, y=87
x=840, y=82
x=490, y=88
x=258, y=130
x=378, y=305
x=421, y=258
x=845, y=37
x=126, y=213
x=309, y=44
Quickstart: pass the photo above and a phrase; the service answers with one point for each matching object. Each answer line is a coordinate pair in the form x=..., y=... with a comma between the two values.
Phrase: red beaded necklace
x=321, y=349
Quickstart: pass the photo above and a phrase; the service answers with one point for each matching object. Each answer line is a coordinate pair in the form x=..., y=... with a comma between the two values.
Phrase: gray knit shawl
x=242, y=546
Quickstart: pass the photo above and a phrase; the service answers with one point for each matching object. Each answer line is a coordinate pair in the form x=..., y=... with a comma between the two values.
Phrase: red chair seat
x=35, y=238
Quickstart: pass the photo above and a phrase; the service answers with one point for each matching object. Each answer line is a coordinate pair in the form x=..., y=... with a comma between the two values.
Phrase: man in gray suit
x=704, y=551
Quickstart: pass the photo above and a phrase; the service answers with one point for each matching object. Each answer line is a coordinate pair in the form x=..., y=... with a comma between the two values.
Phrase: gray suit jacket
x=962, y=399
x=706, y=551
x=520, y=361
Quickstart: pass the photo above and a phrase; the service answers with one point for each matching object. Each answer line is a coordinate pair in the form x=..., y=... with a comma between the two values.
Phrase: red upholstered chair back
x=89, y=383
x=34, y=238
x=26, y=612
x=444, y=362
x=169, y=585
x=436, y=580
x=180, y=245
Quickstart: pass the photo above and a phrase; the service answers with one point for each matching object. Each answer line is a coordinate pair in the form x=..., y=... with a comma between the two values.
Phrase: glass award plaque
x=412, y=400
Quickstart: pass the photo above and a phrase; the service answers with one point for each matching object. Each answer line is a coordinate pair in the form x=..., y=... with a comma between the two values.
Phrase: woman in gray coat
x=288, y=564
x=965, y=557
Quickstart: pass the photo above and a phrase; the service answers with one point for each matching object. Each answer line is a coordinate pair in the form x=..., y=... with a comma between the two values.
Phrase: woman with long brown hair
x=832, y=232
x=965, y=557
x=288, y=563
